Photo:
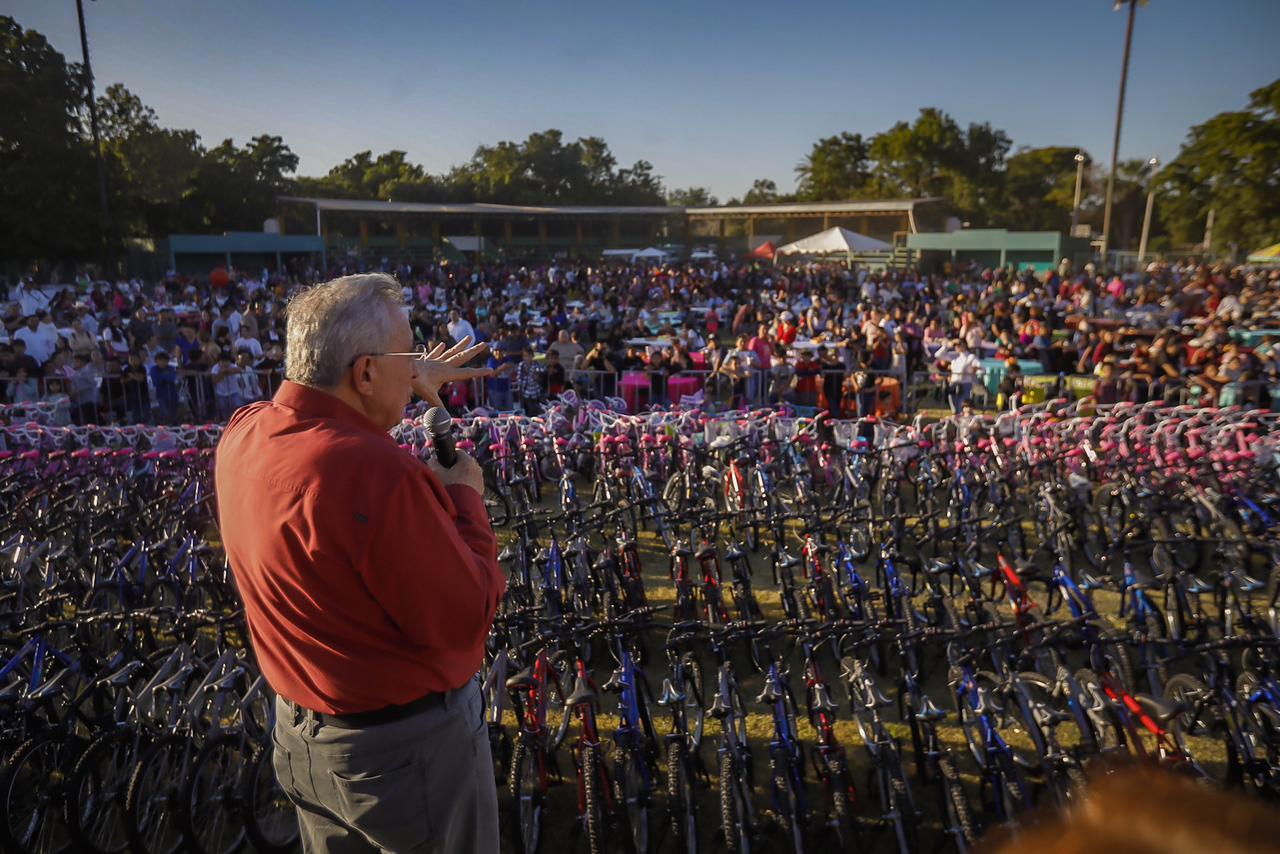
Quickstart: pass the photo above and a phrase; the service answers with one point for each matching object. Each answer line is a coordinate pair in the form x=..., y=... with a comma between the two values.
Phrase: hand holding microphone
x=451, y=465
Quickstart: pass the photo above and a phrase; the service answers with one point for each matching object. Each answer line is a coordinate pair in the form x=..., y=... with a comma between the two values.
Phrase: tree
x=1231, y=165
x=763, y=192
x=836, y=168
x=48, y=182
x=1039, y=189
x=236, y=188
x=934, y=157
x=692, y=197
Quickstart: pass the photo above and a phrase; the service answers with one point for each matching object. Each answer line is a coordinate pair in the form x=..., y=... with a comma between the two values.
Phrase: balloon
x=219, y=278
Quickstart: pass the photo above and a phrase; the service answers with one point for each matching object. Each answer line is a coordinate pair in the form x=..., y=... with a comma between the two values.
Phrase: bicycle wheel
x=735, y=823
x=843, y=797
x=33, y=820
x=635, y=794
x=270, y=818
x=153, y=801
x=901, y=804
x=593, y=795
x=94, y=807
x=211, y=816
x=526, y=794
x=959, y=815
x=681, y=802
x=787, y=799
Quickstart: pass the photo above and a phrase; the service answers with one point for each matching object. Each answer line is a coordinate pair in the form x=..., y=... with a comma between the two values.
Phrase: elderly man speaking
x=369, y=580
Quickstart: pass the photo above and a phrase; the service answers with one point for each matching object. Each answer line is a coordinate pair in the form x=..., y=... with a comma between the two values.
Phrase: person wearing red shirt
x=369, y=580
x=787, y=329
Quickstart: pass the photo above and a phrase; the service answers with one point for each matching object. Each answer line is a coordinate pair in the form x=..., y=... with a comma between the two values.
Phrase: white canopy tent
x=835, y=241
x=650, y=252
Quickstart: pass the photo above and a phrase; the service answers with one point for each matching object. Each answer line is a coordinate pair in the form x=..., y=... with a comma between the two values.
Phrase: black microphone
x=440, y=423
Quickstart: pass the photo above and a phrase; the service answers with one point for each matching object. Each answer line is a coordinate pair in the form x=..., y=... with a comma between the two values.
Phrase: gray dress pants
x=421, y=784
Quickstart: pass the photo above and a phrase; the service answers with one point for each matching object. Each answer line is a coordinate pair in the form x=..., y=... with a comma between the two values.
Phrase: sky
x=712, y=93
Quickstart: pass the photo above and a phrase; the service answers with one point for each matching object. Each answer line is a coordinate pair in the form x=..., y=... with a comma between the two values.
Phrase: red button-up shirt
x=366, y=582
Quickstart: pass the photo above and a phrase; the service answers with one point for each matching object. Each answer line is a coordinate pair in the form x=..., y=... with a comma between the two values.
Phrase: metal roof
x=813, y=207
x=375, y=206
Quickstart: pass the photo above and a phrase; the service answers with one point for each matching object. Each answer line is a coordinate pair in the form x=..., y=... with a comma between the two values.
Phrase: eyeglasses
x=418, y=352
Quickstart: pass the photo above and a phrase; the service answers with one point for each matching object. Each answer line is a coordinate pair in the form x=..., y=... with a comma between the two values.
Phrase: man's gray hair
x=332, y=323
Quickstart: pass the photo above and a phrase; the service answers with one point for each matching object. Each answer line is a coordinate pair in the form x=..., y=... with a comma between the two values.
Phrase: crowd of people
x=816, y=335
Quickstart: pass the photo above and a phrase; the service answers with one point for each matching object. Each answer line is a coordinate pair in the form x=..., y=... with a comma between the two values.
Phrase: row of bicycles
x=722, y=631
x=872, y=630
x=132, y=714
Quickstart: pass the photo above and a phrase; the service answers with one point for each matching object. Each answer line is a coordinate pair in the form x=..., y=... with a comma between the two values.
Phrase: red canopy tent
x=764, y=251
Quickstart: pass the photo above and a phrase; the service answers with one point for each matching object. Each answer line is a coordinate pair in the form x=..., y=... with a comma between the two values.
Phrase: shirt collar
x=318, y=404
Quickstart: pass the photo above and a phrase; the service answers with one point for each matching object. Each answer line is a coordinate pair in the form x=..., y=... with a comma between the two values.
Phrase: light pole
x=1075, y=206
x=93, y=114
x=1115, y=145
x=1154, y=163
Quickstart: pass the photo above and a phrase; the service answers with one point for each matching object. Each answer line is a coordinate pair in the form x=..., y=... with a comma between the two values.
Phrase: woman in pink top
x=762, y=347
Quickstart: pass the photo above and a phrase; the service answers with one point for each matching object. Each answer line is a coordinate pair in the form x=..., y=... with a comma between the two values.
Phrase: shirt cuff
x=467, y=502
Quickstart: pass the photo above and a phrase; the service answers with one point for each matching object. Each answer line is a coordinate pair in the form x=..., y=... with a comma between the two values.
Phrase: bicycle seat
x=929, y=710
x=122, y=676
x=719, y=708
x=523, y=679
x=875, y=697
x=670, y=696
x=1009, y=441
x=788, y=561
x=734, y=552
x=1245, y=583
x=1050, y=716
x=981, y=570
x=1142, y=581
x=51, y=688
x=1159, y=708
x=1091, y=582
x=614, y=684
x=681, y=550
x=770, y=694
x=1196, y=584
x=582, y=693
x=822, y=701
x=496, y=446
x=706, y=551
x=81, y=454
x=938, y=566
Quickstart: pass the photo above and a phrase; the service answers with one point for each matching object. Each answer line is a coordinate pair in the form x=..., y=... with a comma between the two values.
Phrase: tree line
x=163, y=180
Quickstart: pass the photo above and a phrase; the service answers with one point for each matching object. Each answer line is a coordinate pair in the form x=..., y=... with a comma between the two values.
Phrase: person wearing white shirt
x=250, y=344
x=459, y=327
x=964, y=367
x=39, y=340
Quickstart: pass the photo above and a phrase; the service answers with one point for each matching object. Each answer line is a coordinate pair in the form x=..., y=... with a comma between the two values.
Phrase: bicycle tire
x=31, y=806
x=593, y=801
x=212, y=819
x=633, y=797
x=958, y=810
x=734, y=823
x=527, y=800
x=787, y=799
x=844, y=821
x=149, y=832
x=94, y=805
x=681, y=802
x=263, y=798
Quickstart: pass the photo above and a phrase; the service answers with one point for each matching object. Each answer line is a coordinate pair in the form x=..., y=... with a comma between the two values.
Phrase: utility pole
x=93, y=116
x=1146, y=220
x=1075, y=206
x=1208, y=234
x=1115, y=145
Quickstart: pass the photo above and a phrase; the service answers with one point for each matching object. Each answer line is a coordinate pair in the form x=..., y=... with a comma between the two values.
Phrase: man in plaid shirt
x=530, y=383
